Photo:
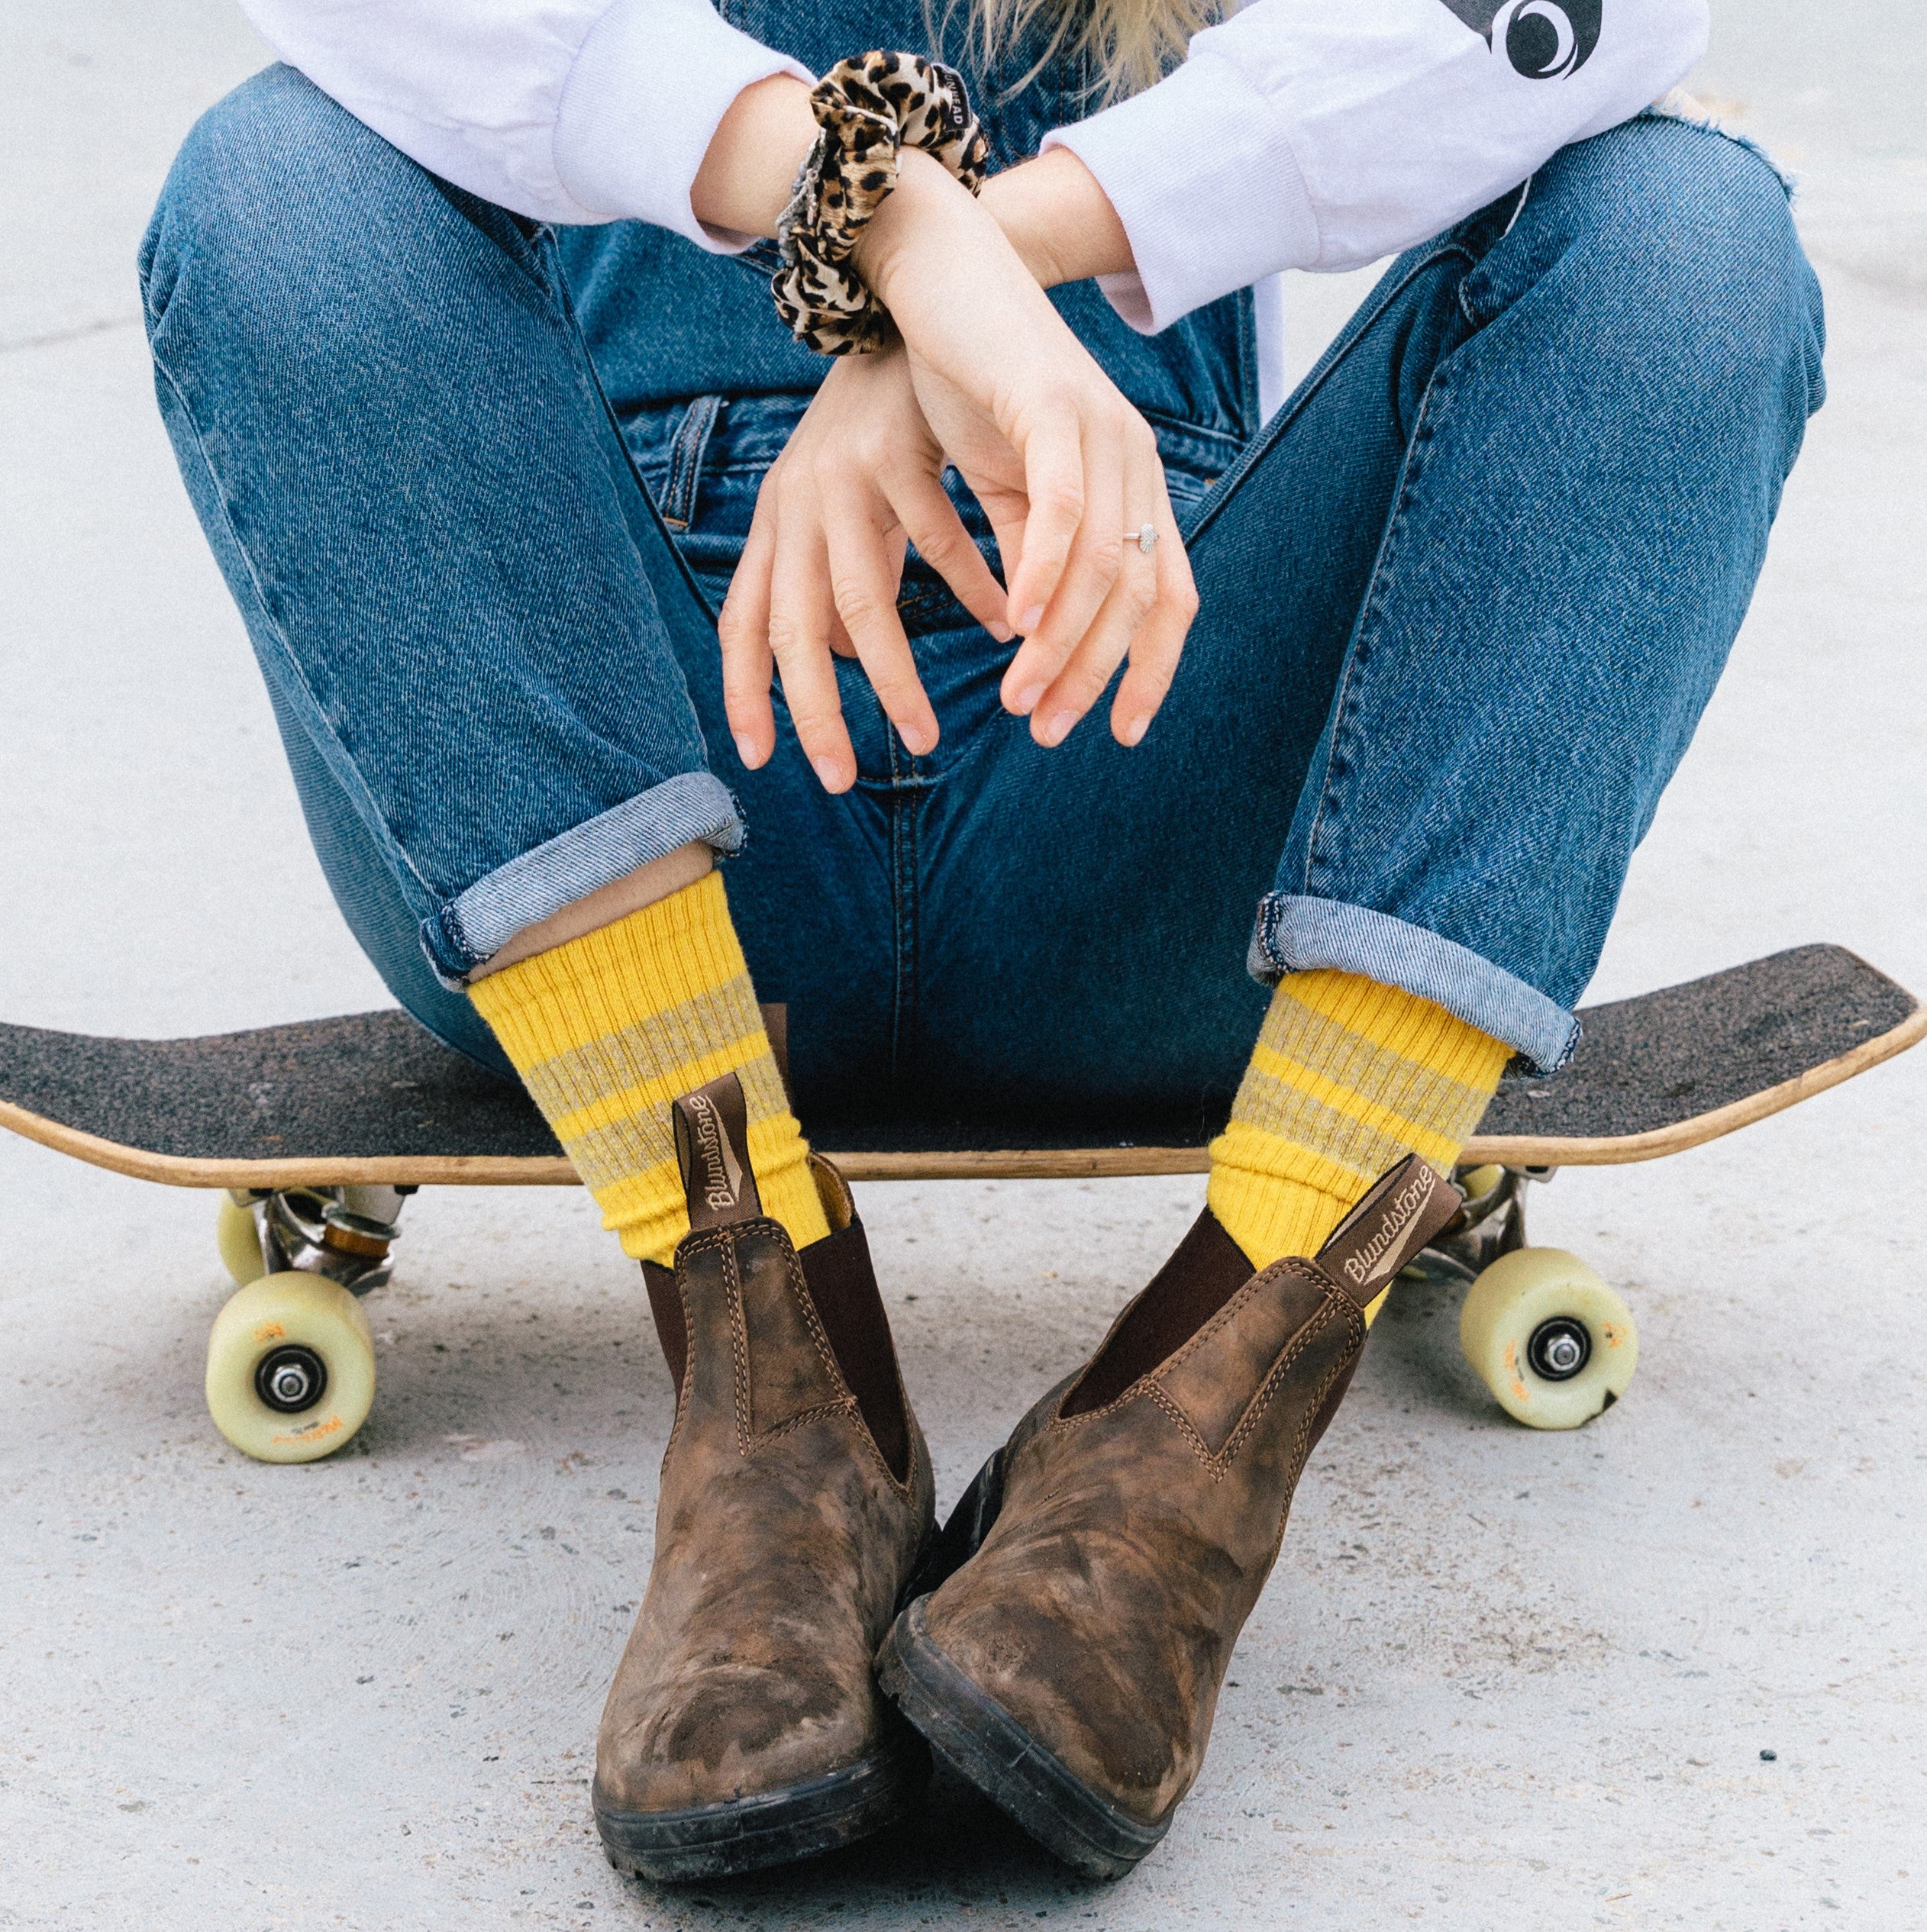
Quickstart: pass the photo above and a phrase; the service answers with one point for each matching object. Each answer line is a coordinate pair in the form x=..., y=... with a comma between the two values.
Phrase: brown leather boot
x=1070, y=1668
x=744, y=1728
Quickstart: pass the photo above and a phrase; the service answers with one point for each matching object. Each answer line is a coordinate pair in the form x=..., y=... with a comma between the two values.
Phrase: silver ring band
x=1144, y=537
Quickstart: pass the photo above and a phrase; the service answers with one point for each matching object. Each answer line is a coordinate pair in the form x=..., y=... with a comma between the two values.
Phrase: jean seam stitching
x=902, y=801
x=453, y=930
x=1384, y=567
x=1268, y=912
x=911, y=806
x=672, y=493
x=241, y=550
x=1314, y=379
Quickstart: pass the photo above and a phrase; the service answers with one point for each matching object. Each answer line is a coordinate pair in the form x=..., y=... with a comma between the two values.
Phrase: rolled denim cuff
x=472, y=927
x=1296, y=935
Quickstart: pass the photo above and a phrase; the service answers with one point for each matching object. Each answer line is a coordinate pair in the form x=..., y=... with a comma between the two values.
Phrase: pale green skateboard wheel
x=1550, y=1340
x=291, y=1367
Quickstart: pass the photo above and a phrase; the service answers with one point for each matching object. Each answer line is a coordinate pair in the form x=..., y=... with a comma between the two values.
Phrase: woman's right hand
x=1065, y=468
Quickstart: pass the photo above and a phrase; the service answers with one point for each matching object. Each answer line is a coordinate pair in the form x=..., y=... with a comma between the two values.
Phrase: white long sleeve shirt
x=1316, y=134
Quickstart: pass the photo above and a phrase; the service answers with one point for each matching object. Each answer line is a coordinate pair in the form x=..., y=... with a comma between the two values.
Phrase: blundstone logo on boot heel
x=722, y=1184
x=1375, y=1258
x=712, y=1150
x=1389, y=1227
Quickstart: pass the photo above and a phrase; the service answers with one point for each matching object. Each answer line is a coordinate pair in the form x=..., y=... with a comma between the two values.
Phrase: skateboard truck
x=345, y=1233
x=1550, y=1339
x=1491, y=1223
x=1552, y=1342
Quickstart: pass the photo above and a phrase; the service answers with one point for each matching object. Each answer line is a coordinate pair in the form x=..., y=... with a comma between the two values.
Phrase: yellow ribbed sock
x=1348, y=1078
x=607, y=1030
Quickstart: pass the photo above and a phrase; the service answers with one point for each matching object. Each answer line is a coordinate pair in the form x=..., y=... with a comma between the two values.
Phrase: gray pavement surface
x=1501, y=1677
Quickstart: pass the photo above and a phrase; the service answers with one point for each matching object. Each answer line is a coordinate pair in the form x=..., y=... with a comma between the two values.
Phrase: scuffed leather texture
x=1133, y=1541
x=782, y=1541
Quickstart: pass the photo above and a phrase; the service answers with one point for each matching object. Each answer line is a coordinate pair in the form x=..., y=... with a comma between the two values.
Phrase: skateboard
x=318, y=1132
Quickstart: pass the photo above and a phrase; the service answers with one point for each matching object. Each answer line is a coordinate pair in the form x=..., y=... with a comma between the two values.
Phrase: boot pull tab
x=1404, y=1209
x=712, y=1150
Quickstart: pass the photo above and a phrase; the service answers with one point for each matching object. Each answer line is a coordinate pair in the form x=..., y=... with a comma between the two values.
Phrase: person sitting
x=550, y=381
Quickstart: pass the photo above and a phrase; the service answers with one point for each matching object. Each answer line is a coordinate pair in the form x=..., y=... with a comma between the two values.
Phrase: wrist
x=752, y=159
x=1014, y=201
x=926, y=205
x=1055, y=215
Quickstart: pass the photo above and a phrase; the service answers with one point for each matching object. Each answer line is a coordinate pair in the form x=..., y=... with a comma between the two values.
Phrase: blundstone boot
x=744, y=1727
x=1070, y=1668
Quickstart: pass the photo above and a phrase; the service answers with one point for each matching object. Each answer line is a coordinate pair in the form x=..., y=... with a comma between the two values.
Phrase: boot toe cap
x=734, y=1733
x=1116, y=1720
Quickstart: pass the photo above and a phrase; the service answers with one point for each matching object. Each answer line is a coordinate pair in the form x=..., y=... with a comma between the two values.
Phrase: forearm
x=926, y=235
x=750, y=164
x=1058, y=218
x=1055, y=215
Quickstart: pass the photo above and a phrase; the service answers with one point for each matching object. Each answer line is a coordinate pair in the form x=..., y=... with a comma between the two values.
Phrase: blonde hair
x=1126, y=45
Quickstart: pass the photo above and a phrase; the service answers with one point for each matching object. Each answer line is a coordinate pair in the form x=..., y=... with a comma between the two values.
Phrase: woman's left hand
x=860, y=478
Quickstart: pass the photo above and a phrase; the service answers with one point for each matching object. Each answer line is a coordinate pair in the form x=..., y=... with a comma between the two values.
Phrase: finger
x=1099, y=652
x=863, y=585
x=800, y=619
x=1159, y=641
x=1054, y=485
x=1133, y=603
x=1090, y=572
x=895, y=543
x=1009, y=534
x=895, y=546
x=742, y=628
x=930, y=519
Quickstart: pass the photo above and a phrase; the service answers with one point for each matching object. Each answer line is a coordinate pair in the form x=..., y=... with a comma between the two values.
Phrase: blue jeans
x=1463, y=600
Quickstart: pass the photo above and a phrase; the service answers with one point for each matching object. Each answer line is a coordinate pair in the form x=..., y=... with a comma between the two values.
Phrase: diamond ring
x=1144, y=536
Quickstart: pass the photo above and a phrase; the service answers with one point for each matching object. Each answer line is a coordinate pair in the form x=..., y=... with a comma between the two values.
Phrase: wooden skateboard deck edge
x=1069, y=1163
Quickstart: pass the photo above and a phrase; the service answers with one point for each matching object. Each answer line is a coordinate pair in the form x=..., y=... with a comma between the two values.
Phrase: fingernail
x=1027, y=699
x=1000, y=630
x=916, y=738
x=1133, y=732
x=1058, y=729
x=830, y=771
x=745, y=750
x=1031, y=619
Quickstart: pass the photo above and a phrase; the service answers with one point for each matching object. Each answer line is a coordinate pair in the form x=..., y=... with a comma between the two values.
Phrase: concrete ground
x=1501, y=1677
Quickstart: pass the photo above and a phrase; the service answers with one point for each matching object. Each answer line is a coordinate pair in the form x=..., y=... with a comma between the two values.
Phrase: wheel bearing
x=290, y=1379
x=1559, y=1349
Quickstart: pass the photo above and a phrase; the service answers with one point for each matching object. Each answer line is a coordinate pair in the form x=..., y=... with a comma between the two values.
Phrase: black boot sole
x=773, y=1827
x=1023, y=1778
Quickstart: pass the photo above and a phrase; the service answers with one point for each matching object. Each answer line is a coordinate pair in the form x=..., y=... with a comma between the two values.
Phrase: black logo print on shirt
x=1545, y=40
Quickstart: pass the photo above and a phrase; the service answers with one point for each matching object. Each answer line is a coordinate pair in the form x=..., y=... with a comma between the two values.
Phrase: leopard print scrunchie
x=867, y=109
